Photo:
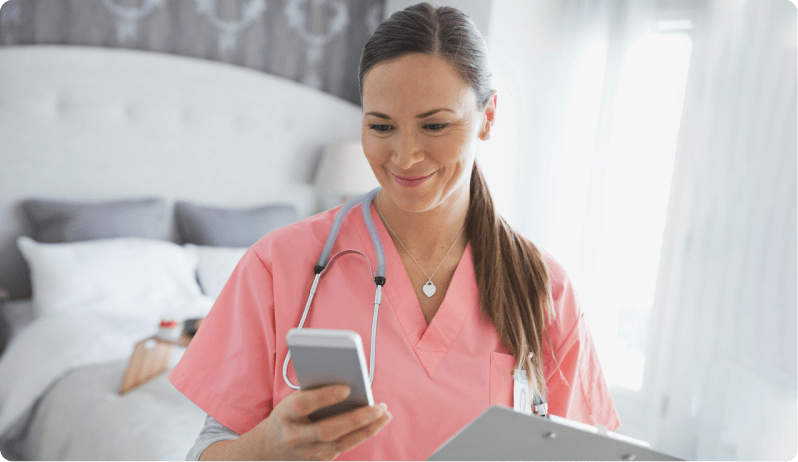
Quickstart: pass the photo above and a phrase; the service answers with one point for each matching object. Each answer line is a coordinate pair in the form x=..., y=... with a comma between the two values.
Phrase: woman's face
x=421, y=126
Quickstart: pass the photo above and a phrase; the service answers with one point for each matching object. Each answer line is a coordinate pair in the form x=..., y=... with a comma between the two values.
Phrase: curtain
x=315, y=42
x=727, y=346
x=555, y=67
x=719, y=379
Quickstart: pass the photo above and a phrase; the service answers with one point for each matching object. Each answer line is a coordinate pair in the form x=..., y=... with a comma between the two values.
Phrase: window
x=631, y=200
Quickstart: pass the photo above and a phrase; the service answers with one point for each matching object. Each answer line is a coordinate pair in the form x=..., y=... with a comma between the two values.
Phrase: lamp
x=344, y=170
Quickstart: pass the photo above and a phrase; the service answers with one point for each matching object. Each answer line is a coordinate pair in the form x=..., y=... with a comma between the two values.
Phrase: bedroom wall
x=315, y=42
x=478, y=10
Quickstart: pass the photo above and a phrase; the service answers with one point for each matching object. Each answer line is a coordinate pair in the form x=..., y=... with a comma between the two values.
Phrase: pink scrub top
x=434, y=378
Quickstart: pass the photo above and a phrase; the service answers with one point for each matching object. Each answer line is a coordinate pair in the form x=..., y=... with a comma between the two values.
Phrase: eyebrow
x=419, y=116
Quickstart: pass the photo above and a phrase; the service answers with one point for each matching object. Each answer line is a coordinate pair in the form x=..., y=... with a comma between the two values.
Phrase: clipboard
x=501, y=433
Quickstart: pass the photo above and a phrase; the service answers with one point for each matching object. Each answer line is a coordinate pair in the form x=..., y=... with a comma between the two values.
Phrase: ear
x=488, y=117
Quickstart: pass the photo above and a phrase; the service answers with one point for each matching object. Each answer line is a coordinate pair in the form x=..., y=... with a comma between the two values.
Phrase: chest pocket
x=501, y=378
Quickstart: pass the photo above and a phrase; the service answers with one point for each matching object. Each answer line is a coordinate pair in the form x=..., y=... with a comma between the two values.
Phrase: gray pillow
x=61, y=221
x=201, y=225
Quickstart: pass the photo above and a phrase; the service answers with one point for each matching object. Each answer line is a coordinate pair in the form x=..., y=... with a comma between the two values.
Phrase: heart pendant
x=429, y=289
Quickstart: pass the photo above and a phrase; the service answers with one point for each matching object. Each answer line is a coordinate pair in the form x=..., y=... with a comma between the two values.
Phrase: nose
x=407, y=150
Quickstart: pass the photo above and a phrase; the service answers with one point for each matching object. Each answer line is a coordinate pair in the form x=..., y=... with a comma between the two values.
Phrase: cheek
x=375, y=150
x=456, y=150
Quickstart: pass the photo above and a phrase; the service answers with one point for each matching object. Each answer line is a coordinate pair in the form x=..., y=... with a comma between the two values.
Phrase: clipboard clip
x=521, y=402
x=540, y=405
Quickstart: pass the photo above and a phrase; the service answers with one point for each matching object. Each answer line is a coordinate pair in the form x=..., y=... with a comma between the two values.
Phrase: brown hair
x=512, y=278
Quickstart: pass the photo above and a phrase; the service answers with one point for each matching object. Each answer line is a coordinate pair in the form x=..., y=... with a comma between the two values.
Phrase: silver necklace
x=429, y=288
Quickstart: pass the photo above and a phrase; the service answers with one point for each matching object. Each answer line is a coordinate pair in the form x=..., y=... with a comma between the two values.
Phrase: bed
x=131, y=182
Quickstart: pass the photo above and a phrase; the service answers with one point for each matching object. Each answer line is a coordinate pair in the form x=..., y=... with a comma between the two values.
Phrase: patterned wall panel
x=316, y=42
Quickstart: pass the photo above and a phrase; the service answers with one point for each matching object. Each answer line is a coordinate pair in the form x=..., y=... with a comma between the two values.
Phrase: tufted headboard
x=84, y=123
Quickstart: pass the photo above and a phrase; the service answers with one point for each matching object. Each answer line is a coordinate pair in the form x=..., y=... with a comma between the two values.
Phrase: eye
x=380, y=128
x=435, y=127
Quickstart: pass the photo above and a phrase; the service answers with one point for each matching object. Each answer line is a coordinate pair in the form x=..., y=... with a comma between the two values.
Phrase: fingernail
x=384, y=406
x=341, y=392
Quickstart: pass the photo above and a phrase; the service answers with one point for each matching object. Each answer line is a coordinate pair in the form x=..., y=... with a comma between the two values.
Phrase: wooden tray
x=150, y=358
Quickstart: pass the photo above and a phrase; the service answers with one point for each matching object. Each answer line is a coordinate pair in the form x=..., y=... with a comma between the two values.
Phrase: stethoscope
x=364, y=200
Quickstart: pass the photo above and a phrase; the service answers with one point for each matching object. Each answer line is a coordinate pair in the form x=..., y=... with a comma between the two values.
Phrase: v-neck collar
x=430, y=342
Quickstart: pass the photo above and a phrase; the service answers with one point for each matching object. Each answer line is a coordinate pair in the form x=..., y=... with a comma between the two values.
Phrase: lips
x=411, y=181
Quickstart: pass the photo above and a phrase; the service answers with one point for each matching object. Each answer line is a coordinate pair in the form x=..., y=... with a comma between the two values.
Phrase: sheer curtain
x=718, y=329
x=727, y=294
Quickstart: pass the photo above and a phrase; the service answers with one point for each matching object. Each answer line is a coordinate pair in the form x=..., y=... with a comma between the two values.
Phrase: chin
x=412, y=201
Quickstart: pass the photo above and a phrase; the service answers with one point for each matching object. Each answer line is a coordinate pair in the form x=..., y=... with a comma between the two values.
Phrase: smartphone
x=329, y=356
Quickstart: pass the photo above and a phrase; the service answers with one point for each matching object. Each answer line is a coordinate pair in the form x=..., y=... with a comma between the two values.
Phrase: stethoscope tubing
x=539, y=400
x=379, y=280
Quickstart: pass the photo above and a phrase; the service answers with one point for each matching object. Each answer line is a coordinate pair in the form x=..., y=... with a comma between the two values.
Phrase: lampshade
x=344, y=170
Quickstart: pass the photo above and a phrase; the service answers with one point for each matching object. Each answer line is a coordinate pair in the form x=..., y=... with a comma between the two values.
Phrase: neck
x=428, y=234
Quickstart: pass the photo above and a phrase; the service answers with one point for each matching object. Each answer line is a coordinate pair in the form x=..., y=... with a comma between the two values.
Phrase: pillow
x=223, y=227
x=58, y=221
x=216, y=264
x=126, y=273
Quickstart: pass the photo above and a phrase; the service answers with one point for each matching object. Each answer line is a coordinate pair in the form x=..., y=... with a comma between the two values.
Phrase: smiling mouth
x=411, y=181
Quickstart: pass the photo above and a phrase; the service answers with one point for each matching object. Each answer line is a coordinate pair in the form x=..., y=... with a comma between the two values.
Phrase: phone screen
x=317, y=366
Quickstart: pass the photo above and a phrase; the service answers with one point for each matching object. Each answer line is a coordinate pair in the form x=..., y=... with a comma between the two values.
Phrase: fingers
x=306, y=402
x=328, y=437
x=333, y=428
x=349, y=441
x=377, y=416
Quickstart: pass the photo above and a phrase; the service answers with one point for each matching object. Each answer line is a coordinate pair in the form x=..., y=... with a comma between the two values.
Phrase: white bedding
x=82, y=417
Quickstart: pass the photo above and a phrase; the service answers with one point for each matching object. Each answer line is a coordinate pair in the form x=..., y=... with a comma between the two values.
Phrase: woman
x=467, y=299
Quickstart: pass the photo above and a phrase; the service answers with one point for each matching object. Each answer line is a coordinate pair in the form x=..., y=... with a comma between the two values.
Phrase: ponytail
x=513, y=282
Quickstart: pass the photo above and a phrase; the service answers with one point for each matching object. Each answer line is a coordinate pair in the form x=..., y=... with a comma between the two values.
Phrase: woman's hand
x=288, y=434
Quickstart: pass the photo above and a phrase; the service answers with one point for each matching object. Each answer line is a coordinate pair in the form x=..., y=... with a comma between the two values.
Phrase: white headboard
x=88, y=123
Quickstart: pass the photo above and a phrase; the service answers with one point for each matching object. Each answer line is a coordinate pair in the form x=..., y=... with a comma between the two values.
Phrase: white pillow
x=144, y=275
x=216, y=264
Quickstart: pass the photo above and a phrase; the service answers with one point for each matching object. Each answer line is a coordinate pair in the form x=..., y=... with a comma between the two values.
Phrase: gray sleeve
x=212, y=432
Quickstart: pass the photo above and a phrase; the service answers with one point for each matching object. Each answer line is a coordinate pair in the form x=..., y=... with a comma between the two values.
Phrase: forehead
x=414, y=84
